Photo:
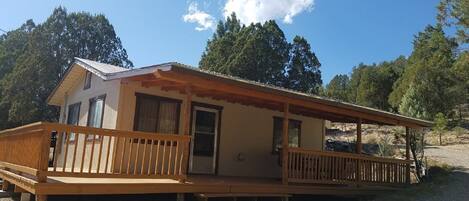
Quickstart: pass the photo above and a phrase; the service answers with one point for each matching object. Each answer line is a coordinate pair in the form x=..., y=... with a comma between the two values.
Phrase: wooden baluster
x=83, y=152
x=150, y=156
x=92, y=153
x=181, y=162
x=75, y=152
x=301, y=165
x=169, y=158
x=137, y=150
x=100, y=153
x=157, y=156
x=145, y=141
x=108, y=153
x=124, y=145
x=163, y=159
x=176, y=157
x=289, y=168
x=67, y=136
x=56, y=150
x=130, y=155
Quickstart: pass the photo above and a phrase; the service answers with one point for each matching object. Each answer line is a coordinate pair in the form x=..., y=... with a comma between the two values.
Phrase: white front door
x=204, y=134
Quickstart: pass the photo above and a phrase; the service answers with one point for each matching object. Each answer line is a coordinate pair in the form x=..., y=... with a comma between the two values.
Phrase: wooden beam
x=186, y=129
x=286, y=109
x=407, y=153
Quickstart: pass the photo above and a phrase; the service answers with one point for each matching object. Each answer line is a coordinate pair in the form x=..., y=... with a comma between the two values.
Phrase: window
x=73, y=117
x=156, y=114
x=87, y=80
x=294, y=133
x=96, y=112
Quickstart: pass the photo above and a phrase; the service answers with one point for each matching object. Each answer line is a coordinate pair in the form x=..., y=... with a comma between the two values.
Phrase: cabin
x=171, y=128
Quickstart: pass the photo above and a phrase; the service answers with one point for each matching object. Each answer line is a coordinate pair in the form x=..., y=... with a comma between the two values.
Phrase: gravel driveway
x=457, y=189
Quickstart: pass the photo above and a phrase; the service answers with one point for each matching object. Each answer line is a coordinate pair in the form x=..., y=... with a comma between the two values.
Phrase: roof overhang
x=181, y=78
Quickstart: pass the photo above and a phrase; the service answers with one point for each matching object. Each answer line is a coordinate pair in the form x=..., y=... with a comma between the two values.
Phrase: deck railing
x=93, y=152
x=310, y=166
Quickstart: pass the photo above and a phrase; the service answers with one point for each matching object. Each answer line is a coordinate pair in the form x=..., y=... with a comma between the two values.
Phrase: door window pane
x=205, y=122
x=204, y=144
x=205, y=128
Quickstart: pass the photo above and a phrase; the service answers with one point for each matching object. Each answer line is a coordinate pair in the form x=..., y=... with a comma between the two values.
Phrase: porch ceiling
x=179, y=79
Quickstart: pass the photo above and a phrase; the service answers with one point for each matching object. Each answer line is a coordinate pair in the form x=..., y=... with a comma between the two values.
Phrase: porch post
x=358, y=149
x=407, y=153
x=285, y=143
x=186, y=129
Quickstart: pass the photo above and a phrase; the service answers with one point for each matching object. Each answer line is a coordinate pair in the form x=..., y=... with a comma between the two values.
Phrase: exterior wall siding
x=245, y=130
x=78, y=94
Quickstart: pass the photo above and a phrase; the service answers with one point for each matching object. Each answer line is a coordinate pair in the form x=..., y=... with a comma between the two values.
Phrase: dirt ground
x=454, y=188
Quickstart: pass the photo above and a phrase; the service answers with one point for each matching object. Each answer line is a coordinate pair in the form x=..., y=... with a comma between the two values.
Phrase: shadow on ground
x=452, y=187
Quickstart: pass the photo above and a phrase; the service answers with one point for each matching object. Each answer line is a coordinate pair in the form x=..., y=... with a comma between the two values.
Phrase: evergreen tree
x=338, y=87
x=455, y=13
x=260, y=52
x=302, y=71
x=50, y=50
x=412, y=105
x=429, y=71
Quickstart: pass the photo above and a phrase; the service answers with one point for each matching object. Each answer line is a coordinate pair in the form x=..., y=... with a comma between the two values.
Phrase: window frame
x=78, y=118
x=100, y=97
x=138, y=96
x=299, y=122
x=87, y=83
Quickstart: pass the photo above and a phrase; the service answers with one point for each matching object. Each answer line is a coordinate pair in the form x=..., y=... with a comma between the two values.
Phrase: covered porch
x=103, y=161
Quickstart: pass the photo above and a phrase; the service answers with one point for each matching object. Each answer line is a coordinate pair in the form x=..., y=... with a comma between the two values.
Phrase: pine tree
x=429, y=71
x=50, y=50
x=260, y=52
x=338, y=87
x=302, y=70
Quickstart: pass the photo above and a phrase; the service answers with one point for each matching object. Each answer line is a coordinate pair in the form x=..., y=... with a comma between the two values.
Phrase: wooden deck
x=147, y=163
x=207, y=185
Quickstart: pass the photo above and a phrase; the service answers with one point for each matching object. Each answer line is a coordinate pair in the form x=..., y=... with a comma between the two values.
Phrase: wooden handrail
x=348, y=155
x=313, y=166
x=92, y=152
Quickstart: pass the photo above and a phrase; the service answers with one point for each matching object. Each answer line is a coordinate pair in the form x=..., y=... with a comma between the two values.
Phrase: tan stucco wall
x=77, y=94
x=245, y=130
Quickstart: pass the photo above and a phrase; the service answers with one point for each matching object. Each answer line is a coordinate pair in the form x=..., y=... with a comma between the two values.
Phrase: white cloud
x=252, y=11
x=204, y=20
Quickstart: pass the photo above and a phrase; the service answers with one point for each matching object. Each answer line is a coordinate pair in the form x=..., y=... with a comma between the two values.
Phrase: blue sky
x=342, y=33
